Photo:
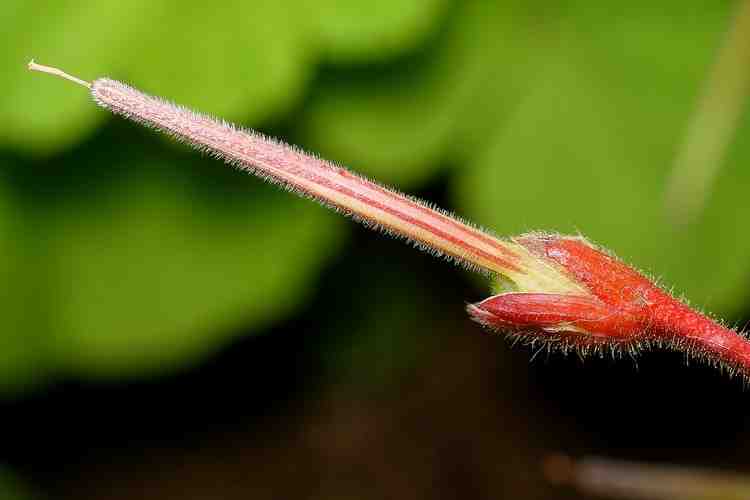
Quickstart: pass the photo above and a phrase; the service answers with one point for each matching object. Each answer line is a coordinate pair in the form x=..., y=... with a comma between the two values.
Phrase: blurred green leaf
x=143, y=266
x=183, y=50
x=22, y=352
x=240, y=60
x=159, y=271
x=363, y=31
x=590, y=146
x=89, y=38
x=557, y=112
x=146, y=275
x=399, y=128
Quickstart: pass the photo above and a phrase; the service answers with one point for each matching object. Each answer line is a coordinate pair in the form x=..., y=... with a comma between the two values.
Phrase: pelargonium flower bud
x=619, y=308
x=566, y=292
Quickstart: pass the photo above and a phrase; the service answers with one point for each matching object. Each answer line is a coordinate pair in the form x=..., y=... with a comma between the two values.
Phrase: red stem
x=673, y=319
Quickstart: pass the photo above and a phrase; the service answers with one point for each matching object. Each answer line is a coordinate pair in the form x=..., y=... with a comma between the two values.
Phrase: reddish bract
x=623, y=308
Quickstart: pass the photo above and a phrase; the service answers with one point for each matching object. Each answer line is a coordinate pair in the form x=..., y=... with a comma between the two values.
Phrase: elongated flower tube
x=560, y=291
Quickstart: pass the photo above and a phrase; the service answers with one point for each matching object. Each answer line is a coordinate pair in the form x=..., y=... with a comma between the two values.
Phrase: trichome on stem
x=565, y=292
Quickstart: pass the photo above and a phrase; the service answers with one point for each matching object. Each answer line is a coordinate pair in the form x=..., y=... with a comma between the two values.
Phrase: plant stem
x=565, y=292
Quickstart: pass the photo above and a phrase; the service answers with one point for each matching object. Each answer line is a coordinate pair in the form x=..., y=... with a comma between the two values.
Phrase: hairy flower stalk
x=562, y=291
